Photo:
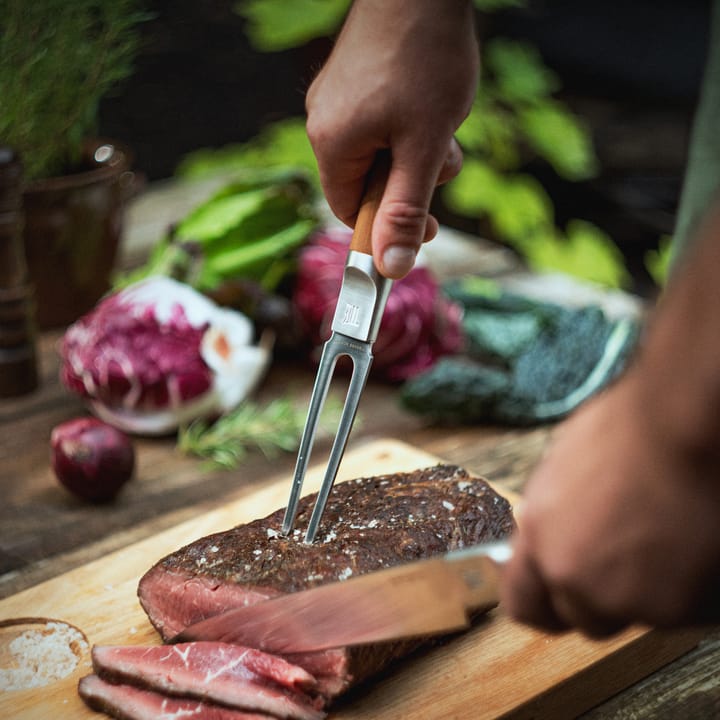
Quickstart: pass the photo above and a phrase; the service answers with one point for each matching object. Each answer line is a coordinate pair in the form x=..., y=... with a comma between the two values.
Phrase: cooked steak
x=127, y=702
x=231, y=675
x=369, y=523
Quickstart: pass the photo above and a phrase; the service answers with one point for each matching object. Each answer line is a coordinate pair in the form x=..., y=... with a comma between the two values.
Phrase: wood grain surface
x=497, y=669
x=45, y=533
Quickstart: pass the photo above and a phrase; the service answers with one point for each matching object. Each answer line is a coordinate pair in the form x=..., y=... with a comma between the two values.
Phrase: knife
x=425, y=597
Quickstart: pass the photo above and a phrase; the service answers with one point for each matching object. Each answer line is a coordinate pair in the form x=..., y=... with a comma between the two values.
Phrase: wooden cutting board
x=497, y=669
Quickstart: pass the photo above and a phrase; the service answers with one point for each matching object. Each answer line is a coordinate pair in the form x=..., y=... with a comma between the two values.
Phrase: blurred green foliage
x=57, y=60
x=250, y=229
x=275, y=25
x=283, y=143
x=515, y=118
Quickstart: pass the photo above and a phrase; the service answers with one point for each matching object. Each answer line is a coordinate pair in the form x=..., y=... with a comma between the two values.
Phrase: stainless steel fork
x=355, y=326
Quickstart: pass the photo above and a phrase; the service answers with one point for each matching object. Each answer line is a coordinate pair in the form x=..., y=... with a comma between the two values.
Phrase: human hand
x=401, y=76
x=619, y=524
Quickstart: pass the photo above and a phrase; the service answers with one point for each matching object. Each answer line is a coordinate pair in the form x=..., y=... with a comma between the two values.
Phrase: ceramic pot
x=72, y=231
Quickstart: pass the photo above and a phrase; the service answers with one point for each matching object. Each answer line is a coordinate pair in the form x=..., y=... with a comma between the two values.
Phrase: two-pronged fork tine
x=355, y=326
x=337, y=346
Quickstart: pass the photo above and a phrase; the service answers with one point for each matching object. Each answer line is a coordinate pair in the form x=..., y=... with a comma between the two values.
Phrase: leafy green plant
x=271, y=429
x=280, y=144
x=250, y=228
x=275, y=25
x=57, y=60
x=515, y=118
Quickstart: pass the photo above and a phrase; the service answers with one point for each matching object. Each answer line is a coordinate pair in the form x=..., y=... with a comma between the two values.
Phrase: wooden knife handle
x=476, y=573
x=374, y=189
x=481, y=578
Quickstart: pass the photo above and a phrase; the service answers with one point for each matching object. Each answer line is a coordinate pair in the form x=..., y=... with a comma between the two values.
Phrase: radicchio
x=158, y=354
x=419, y=324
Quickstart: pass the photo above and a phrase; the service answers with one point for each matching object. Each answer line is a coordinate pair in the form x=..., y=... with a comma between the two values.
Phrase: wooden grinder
x=18, y=360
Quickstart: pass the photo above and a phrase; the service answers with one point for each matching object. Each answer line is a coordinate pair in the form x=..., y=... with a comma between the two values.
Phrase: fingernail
x=398, y=260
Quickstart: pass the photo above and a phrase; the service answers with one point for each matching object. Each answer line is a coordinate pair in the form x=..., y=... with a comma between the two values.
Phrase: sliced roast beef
x=231, y=675
x=221, y=659
x=127, y=702
x=369, y=523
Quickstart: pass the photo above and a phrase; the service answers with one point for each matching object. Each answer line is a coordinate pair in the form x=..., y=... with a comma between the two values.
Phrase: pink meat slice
x=231, y=675
x=223, y=659
x=127, y=702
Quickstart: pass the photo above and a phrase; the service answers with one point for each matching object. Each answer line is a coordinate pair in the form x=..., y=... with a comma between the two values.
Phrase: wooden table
x=44, y=531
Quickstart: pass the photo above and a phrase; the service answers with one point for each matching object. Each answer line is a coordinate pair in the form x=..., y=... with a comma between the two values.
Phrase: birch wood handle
x=377, y=178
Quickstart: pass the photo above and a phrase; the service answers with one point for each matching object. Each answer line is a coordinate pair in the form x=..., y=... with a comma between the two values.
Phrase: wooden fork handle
x=374, y=190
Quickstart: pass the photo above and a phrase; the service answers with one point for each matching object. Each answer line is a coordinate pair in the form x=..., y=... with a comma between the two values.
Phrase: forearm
x=677, y=372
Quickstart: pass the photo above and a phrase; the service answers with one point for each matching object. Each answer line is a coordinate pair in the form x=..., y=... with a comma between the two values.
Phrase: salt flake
x=345, y=574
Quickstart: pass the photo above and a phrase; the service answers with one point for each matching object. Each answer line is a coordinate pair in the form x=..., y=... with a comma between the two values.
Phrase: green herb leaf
x=250, y=230
x=519, y=72
x=275, y=25
x=271, y=429
x=523, y=209
x=586, y=252
x=491, y=131
x=560, y=138
x=284, y=143
x=517, y=205
x=476, y=190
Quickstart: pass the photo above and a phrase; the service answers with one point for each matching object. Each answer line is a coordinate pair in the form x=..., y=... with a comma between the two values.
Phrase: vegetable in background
x=275, y=427
x=92, y=459
x=159, y=354
x=526, y=361
x=419, y=325
x=280, y=144
x=516, y=118
x=248, y=230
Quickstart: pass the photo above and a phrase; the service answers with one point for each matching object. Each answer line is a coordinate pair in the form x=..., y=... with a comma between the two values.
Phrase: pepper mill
x=18, y=358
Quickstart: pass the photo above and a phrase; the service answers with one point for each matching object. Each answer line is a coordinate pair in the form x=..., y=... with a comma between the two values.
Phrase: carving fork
x=355, y=326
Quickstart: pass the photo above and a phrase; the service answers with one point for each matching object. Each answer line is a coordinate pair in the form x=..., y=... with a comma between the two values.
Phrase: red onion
x=419, y=324
x=91, y=458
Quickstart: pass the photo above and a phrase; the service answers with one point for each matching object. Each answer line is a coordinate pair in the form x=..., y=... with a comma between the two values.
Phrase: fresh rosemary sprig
x=272, y=428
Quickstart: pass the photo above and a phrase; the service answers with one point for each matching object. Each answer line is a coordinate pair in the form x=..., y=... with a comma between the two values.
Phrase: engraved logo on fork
x=351, y=316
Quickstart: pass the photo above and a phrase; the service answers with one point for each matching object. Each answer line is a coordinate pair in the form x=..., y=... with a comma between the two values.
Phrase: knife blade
x=425, y=597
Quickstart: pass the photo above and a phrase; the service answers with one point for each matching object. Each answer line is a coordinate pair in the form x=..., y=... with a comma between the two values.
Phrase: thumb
x=402, y=219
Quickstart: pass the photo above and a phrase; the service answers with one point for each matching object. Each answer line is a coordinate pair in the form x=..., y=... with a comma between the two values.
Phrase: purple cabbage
x=159, y=354
x=419, y=325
